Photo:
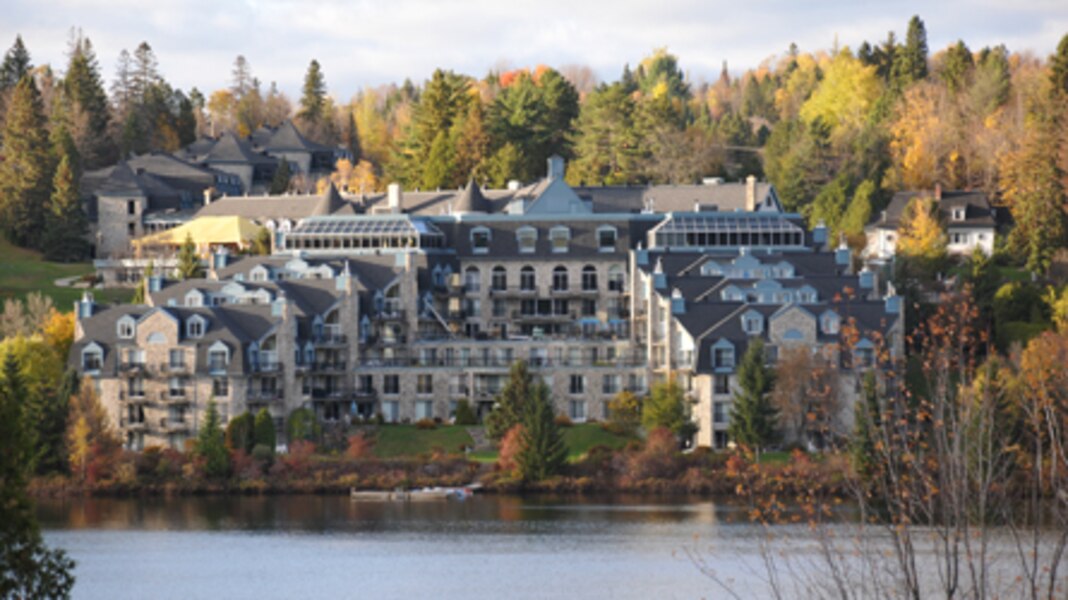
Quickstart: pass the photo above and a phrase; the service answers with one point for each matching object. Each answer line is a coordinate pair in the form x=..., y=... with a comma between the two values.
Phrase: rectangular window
x=578, y=410
x=578, y=384
x=391, y=411
x=424, y=409
x=610, y=384
x=391, y=384
x=559, y=239
x=131, y=229
x=425, y=385
x=606, y=240
x=177, y=358
x=217, y=360
x=723, y=358
x=480, y=240
x=722, y=384
x=220, y=386
x=131, y=207
x=176, y=387
x=720, y=412
x=500, y=308
x=527, y=280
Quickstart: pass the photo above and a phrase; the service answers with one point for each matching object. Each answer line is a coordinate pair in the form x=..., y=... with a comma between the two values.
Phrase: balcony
x=390, y=315
x=175, y=396
x=133, y=396
x=459, y=390
x=331, y=336
x=174, y=368
x=127, y=424
x=131, y=367
x=266, y=367
x=329, y=366
x=365, y=393
x=261, y=395
x=173, y=425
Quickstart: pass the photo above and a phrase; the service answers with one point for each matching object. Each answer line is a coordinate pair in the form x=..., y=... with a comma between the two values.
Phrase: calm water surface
x=329, y=547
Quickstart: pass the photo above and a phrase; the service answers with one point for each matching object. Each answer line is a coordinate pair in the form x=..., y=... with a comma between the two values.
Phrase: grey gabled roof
x=231, y=149
x=976, y=204
x=288, y=139
x=117, y=180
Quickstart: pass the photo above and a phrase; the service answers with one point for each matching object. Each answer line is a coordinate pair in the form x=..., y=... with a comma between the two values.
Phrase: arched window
x=126, y=327
x=589, y=278
x=559, y=238
x=527, y=279
x=560, y=282
x=526, y=239
x=499, y=279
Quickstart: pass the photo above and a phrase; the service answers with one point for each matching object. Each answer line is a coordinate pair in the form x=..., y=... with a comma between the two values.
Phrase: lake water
x=329, y=547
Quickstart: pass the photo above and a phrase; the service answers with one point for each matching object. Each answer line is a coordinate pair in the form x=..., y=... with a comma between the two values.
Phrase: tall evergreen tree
x=1058, y=64
x=542, y=451
x=28, y=568
x=26, y=171
x=351, y=135
x=910, y=61
x=211, y=445
x=16, y=65
x=313, y=98
x=65, y=227
x=957, y=67
x=754, y=419
x=511, y=402
x=427, y=156
x=89, y=105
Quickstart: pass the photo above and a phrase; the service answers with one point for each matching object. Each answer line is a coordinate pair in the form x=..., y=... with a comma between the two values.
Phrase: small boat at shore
x=416, y=495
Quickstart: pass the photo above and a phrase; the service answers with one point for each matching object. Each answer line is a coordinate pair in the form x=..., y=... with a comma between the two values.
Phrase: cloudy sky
x=366, y=43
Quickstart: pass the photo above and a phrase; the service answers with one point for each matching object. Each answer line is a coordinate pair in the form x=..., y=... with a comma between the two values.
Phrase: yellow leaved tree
x=920, y=235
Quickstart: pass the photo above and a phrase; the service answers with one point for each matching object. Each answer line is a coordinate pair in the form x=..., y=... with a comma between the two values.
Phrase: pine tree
x=439, y=165
x=1059, y=67
x=427, y=155
x=867, y=422
x=16, y=65
x=30, y=569
x=26, y=171
x=542, y=452
x=188, y=261
x=511, y=402
x=910, y=61
x=351, y=136
x=753, y=421
x=66, y=227
x=606, y=142
x=1031, y=184
x=211, y=446
x=263, y=430
x=313, y=100
x=280, y=181
x=957, y=67
x=85, y=89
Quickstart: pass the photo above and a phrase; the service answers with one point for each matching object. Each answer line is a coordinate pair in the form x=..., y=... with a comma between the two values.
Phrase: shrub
x=302, y=425
x=511, y=444
x=563, y=421
x=263, y=454
x=360, y=446
x=264, y=433
x=465, y=414
x=239, y=432
x=426, y=424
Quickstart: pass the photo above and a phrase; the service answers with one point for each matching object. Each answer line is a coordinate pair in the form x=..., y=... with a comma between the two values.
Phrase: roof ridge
x=716, y=325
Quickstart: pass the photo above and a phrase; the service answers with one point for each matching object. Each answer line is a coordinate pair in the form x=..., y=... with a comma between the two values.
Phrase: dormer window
x=829, y=323
x=92, y=358
x=559, y=239
x=753, y=323
x=527, y=239
x=606, y=238
x=723, y=355
x=194, y=298
x=194, y=328
x=126, y=327
x=959, y=213
x=480, y=240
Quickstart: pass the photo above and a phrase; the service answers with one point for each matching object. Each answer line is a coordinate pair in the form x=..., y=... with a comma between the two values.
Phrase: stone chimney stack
x=556, y=167
x=938, y=191
x=394, y=195
x=207, y=196
x=750, y=193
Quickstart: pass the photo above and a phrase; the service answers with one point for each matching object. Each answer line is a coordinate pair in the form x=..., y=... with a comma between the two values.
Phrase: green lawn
x=23, y=271
x=406, y=440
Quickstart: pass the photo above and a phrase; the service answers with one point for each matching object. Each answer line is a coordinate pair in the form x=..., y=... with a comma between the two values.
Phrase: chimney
x=938, y=191
x=85, y=307
x=750, y=193
x=394, y=194
x=556, y=167
x=207, y=196
x=513, y=185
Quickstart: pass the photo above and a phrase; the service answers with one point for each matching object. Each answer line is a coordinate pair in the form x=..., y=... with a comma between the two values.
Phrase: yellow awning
x=205, y=231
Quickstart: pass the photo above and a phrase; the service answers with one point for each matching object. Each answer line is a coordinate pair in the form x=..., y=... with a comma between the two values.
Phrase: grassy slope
x=23, y=271
x=406, y=440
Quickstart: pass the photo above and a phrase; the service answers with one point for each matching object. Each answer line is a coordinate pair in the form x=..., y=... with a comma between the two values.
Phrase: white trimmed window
x=527, y=239
x=559, y=239
x=606, y=238
x=126, y=327
x=480, y=240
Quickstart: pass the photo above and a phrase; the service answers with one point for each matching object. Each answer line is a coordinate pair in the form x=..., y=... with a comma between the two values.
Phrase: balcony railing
x=170, y=425
x=175, y=396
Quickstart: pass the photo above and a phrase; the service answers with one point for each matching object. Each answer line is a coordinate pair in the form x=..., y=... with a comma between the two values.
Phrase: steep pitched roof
x=288, y=138
x=231, y=149
x=471, y=200
x=331, y=203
